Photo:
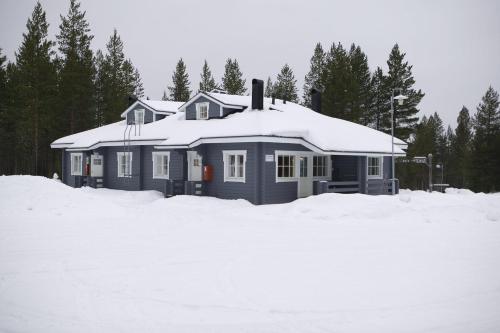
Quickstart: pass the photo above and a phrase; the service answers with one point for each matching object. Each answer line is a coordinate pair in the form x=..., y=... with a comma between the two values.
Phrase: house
x=228, y=146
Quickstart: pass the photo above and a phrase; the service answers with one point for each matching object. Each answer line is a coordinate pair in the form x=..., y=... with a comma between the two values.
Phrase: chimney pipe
x=257, y=94
x=316, y=100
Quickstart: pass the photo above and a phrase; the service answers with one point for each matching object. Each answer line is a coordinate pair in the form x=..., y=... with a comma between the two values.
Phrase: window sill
x=234, y=180
x=160, y=177
x=286, y=180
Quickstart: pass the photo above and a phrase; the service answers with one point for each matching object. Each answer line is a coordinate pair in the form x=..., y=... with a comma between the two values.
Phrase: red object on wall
x=208, y=173
x=87, y=169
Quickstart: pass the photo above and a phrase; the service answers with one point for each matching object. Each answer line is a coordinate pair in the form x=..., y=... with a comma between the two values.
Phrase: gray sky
x=454, y=46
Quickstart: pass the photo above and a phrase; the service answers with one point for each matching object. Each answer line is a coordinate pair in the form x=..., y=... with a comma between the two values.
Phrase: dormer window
x=139, y=116
x=202, y=110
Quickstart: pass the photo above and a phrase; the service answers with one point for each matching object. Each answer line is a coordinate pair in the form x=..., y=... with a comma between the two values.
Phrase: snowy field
x=85, y=260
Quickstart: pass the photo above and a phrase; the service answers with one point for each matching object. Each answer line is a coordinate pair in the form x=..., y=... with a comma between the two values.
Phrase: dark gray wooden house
x=227, y=146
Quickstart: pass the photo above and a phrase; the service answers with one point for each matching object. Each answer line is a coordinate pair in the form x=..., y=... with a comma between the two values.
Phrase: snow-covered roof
x=157, y=106
x=278, y=122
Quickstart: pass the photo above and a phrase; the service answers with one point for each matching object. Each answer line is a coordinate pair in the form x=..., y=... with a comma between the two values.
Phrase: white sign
x=269, y=158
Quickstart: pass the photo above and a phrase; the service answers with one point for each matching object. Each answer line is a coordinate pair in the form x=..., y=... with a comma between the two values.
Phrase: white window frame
x=79, y=171
x=161, y=154
x=198, y=110
x=118, y=161
x=296, y=172
x=136, y=116
x=381, y=167
x=327, y=167
x=226, y=158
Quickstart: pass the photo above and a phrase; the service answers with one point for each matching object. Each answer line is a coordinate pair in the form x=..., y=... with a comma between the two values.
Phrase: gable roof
x=218, y=98
x=278, y=122
x=163, y=107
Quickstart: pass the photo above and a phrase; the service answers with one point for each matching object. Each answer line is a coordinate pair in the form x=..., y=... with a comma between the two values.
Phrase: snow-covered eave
x=275, y=139
x=211, y=98
x=124, y=113
x=114, y=143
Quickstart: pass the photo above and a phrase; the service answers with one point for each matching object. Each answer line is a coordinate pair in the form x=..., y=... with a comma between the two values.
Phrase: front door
x=305, y=180
x=194, y=166
x=96, y=165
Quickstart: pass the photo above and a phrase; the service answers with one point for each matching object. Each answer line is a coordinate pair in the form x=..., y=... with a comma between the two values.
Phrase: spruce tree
x=485, y=159
x=179, y=91
x=269, y=92
x=313, y=77
x=460, y=150
x=285, y=85
x=336, y=100
x=360, y=90
x=400, y=76
x=100, y=86
x=119, y=80
x=165, y=96
x=207, y=81
x=379, y=115
x=6, y=132
x=76, y=87
x=36, y=95
x=233, y=81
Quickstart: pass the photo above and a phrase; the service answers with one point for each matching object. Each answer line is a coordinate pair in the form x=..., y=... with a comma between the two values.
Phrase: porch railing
x=368, y=187
x=338, y=187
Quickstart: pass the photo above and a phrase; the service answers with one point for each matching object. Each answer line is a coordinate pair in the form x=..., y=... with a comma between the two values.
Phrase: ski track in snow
x=86, y=260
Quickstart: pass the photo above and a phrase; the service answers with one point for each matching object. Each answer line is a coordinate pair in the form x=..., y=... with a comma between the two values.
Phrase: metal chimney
x=316, y=100
x=257, y=94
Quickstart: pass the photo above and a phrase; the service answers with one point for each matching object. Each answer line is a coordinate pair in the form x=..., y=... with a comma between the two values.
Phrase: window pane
x=165, y=165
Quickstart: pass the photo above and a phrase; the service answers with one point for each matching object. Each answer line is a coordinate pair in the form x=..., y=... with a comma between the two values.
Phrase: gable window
x=234, y=165
x=124, y=164
x=202, y=110
x=320, y=166
x=76, y=164
x=161, y=164
x=139, y=116
x=374, y=167
x=285, y=167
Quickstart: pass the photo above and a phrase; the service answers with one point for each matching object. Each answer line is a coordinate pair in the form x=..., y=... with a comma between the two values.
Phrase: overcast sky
x=454, y=46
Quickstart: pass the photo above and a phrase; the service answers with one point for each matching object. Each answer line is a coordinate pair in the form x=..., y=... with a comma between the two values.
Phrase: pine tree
x=485, y=160
x=207, y=82
x=285, y=86
x=336, y=100
x=76, y=87
x=179, y=91
x=313, y=77
x=460, y=150
x=233, y=81
x=269, y=92
x=360, y=90
x=36, y=91
x=400, y=76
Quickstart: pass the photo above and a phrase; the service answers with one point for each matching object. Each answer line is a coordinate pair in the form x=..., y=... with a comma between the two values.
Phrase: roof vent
x=316, y=100
x=257, y=94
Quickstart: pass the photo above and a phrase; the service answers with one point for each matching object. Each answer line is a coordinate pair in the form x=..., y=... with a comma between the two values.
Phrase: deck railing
x=378, y=186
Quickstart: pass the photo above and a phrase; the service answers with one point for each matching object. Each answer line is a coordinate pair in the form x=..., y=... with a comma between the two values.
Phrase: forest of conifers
x=57, y=87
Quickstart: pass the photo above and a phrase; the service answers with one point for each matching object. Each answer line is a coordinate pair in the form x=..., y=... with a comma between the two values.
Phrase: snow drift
x=85, y=260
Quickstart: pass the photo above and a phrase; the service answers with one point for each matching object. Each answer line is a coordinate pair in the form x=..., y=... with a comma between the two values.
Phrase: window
x=161, y=164
x=234, y=165
x=139, y=117
x=320, y=166
x=76, y=164
x=202, y=110
x=124, y=164
x=285, y=167
x=375, y=167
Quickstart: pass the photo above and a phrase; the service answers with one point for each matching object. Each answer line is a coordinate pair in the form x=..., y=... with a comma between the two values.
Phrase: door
x=96, y=162
x=194, y=166
x=305, y=179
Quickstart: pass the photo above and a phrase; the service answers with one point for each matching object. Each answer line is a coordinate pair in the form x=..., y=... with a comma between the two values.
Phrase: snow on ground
x=86, y=260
